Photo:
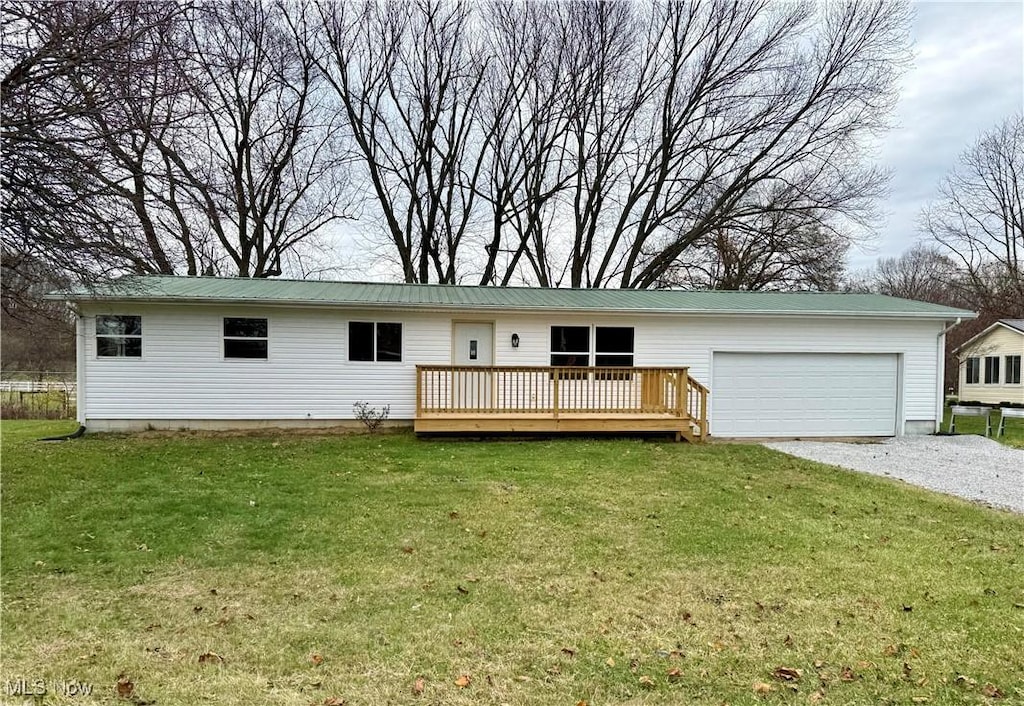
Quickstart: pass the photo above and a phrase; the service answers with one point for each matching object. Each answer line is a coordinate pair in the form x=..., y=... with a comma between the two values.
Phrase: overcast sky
x=967, y=76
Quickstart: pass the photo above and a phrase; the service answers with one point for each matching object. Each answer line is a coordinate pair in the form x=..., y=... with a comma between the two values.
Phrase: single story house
x=990, y=364
x=204, y=352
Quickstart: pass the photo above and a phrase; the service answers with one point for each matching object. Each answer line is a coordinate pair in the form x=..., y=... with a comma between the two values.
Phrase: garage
x=804, y=394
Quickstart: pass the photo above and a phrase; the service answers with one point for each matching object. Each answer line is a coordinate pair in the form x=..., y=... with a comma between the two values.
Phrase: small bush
x=370, y=416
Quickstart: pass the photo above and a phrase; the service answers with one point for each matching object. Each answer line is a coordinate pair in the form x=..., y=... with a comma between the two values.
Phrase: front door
x=474, y=347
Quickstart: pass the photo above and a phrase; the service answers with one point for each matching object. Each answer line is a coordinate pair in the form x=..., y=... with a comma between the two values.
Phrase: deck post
x=554, y=395
x=703, y=415
x=682, y=377
x=419, y=392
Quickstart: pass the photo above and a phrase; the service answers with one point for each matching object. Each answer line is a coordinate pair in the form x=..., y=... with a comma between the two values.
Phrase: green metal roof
x=435, y=296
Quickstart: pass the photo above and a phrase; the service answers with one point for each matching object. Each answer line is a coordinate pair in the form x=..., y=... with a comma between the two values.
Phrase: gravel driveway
x=972, y=467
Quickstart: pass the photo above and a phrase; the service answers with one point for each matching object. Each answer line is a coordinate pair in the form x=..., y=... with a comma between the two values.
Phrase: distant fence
x=37, y=394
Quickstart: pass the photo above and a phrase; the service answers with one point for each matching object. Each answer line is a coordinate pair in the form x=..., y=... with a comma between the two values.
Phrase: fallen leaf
x=418, y=686
x=554, y=670
x=848, y=674
x=463, y=681
x=816, y=697
x=992, y=691
x=582, y=702
x=675, y=674
x=125, y=687
x=646, y=681
x=334, y=701
x=610, y=661
x=316, y=658
x=210, y=658
x=864, y=665
x=919, y=699
x=963, y=680
x=408, y=550
x=787, y=673
x=463, y=591
x=890, y=650
x=453, y=515
x=568, y=652
x=763, y=688
x=907, y=608
x=788, y=642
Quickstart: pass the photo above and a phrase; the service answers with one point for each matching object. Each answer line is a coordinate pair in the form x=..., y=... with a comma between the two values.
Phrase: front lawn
x=389, y=570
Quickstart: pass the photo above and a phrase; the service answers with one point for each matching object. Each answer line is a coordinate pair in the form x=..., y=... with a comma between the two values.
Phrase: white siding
x=182, y=374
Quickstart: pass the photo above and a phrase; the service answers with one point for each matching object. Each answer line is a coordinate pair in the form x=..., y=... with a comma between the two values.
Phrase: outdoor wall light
x=515, y=340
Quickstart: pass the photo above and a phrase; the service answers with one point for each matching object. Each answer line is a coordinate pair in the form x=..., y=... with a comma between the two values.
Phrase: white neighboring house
x=202, y=352
x=990, y=364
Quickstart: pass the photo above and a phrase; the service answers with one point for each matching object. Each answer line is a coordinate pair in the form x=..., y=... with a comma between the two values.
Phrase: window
x=119, y=336
x=613, y=346
x=973, y=371
x=374, y=341
x=245, y=338
x=991, y=369
x=1012, y=370
x=570, y=345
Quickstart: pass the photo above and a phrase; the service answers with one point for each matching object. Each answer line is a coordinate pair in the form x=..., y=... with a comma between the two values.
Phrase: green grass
x=1014, y=435
x=550, y=572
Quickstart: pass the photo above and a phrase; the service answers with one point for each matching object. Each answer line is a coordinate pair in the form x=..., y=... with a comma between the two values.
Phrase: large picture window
x=570, y=345
x=369, y=341
x=1012, y=370
x=973, y=371
x=119, y=336
x=992, y=370
x=613, y=346
x=245, y=337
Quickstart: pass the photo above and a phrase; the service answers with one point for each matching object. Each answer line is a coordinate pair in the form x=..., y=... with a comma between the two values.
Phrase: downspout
x=940, y=374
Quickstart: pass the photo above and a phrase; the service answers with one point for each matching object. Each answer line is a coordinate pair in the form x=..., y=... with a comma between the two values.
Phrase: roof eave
x=987, y=330
x=439, y=306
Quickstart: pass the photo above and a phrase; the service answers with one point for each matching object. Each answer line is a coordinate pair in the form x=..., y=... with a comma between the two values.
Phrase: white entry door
x=474, y=346
x=804, y=394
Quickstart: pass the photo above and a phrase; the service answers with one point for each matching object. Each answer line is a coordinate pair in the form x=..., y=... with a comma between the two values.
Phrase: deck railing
x=555, y=391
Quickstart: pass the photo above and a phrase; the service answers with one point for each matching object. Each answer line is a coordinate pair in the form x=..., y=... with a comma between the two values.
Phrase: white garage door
x=803, y=394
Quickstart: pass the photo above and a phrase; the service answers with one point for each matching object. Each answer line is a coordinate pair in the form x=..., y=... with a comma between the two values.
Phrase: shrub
x=370, y=416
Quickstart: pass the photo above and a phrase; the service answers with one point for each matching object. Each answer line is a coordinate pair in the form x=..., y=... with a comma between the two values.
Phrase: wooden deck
x=549, y=399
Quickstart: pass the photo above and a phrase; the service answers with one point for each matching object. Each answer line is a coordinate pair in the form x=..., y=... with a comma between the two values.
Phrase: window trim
x=376, y=335
x=97, y=335
x=223, y=337
x=1006, y=376
x=976, y=360
x=994, y=369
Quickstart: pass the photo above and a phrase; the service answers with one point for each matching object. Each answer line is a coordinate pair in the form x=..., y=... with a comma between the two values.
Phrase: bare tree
x=64, y=67
x=165, y=138
x=979, y=219
x=408, y=79
x=924, y=273
x=772, y=253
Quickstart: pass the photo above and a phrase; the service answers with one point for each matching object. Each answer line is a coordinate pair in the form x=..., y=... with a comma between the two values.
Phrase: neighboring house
x=990, y=364
x=198, y=352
